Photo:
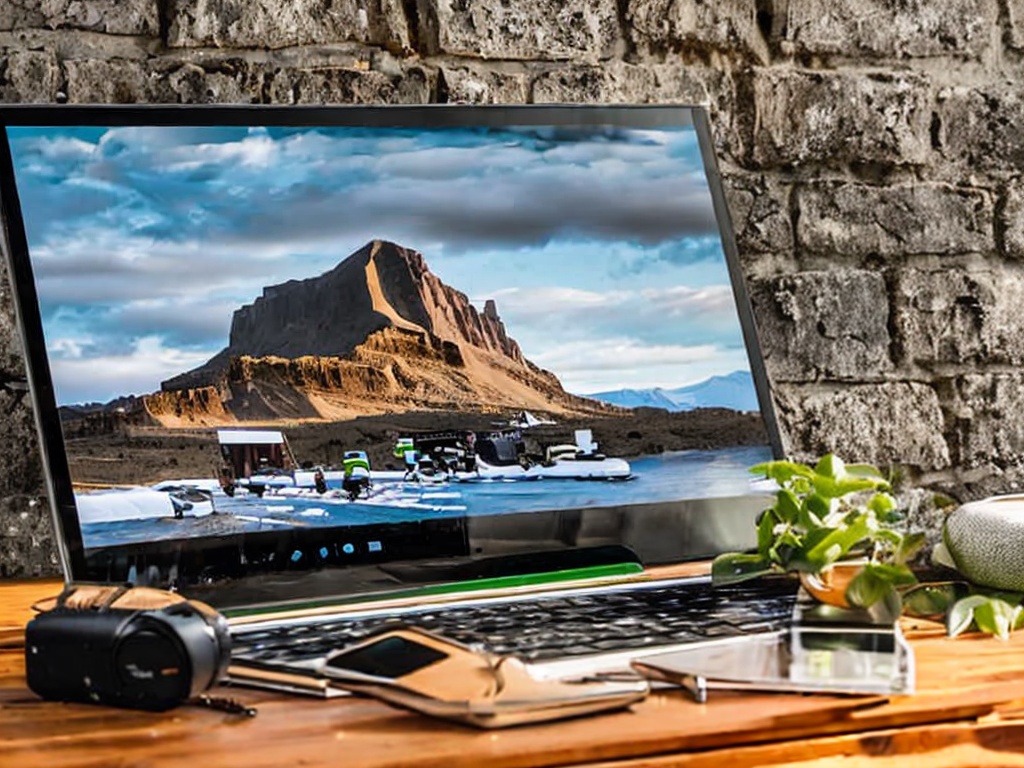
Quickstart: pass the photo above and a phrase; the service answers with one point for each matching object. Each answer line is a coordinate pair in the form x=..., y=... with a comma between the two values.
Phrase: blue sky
x=599, y=245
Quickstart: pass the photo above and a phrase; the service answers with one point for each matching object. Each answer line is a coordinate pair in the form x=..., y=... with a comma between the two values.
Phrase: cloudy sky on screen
x=599, y=246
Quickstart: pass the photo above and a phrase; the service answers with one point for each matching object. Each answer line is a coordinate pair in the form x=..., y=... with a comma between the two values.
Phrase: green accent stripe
x=435, y=590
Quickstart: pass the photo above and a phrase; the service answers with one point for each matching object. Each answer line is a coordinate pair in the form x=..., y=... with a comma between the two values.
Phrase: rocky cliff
x=379, y=332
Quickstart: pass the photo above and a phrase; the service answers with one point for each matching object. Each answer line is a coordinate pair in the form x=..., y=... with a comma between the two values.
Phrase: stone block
x=891, y=29
x=275, y=24
x=65, y=44
x=691, y=25
x=116, y=81
x=21, y=14
x=21, y=470
x=823, y=325
x=979, y=129
x=1015, y=19
x=839, y=119
x=613, y=83
x=621, y=83
x=12, y=357
x=340, y=85
x=894, y=422
x=759, y=209
x=115, y=17
x=1010, y=220
x=955, y=317
x=528, y=30
x=223, y=82
x=841, y=219
x=984, y=419
x=468, y=84
x=27, y=543
x=28, y=76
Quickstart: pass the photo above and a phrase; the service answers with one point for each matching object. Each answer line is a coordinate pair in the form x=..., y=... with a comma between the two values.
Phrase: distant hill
x=734, y=391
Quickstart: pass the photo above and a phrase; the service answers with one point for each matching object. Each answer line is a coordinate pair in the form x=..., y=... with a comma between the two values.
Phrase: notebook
x=288, y=359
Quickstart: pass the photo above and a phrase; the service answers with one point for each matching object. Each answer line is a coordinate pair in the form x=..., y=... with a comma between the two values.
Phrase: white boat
x=568, y=461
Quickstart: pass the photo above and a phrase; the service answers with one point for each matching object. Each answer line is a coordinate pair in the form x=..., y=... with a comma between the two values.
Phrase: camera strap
x=223, y=704
x=103, y=597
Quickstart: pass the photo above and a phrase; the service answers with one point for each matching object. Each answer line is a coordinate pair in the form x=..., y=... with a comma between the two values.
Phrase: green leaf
x=941, y=556
x=817, y=505
x=894, y=573
x=830, y=466
x=887, y=610
x=910, y=546
x=816, y=536
x=866, y=470
x=833, y=488
x=801, y=485
x=787, y=506
x=875, y=581
x=933, y=600
x=867, y=588
x=786, y=542
x=782, y=472
x=996, y=617
x=734, y=567
x=838, y=542
x=766, y=532
x=961, y=615
x=1013, y=598
x=882, y=504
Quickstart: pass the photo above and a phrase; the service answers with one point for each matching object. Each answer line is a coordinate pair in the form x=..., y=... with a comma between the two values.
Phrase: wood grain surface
x=969, y=711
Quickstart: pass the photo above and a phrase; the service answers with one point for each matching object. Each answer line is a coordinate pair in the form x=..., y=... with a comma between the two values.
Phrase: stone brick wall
x=872, y=152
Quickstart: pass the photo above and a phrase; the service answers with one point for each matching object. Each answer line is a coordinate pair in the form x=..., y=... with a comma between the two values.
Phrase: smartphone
x=424, y=672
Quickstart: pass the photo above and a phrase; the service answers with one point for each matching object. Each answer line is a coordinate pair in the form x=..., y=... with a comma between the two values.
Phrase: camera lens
x=151, y=666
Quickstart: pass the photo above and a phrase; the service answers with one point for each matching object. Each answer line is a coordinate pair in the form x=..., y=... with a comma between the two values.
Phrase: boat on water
x=565, y=465
x=500, y=456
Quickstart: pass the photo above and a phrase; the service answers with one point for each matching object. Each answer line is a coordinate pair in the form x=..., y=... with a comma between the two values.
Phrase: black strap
x=222, y=704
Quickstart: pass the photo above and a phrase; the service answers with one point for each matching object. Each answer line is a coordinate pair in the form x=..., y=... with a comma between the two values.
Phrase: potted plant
x=835, y=525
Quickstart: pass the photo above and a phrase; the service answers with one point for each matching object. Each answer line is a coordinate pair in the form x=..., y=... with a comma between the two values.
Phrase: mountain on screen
x=378, y=333
x=734, y=391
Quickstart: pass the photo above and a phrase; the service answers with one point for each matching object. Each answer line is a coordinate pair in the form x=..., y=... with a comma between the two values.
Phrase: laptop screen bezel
x=57, y=476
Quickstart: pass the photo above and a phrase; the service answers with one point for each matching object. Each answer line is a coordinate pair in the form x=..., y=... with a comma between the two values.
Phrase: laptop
x=480, y=369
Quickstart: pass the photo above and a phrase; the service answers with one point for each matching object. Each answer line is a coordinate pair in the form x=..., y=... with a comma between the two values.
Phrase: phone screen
x=391, y=657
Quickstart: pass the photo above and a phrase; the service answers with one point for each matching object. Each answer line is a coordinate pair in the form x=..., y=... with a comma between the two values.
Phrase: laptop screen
x=295, y=341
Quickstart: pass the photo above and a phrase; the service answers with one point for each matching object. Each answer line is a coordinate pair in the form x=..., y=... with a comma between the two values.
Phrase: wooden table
x=969, y=711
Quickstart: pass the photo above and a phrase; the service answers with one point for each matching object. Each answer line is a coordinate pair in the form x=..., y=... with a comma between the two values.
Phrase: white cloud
x=672, y=315
x=585, y=366
x=63, y=148
x=138, y=371
x=622, y=354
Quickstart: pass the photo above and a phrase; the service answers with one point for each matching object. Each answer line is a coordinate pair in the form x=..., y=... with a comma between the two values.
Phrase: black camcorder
x=105, y=649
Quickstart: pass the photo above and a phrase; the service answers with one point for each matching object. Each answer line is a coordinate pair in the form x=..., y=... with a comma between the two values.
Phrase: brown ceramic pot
x=829, y=585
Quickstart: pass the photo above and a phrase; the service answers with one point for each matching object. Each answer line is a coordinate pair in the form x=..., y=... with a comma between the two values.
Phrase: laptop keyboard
x=557, y=626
